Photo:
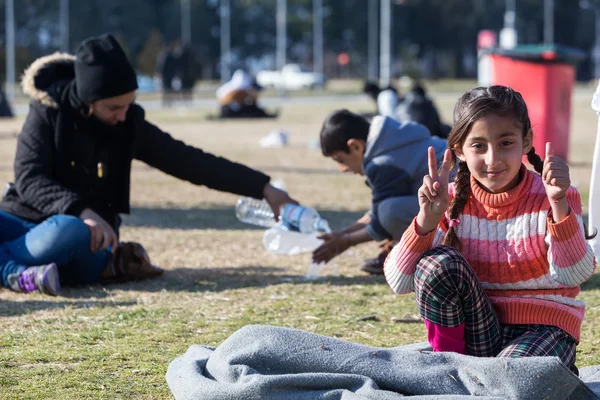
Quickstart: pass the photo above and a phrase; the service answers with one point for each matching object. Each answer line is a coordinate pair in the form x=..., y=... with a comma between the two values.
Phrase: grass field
x=117, y=341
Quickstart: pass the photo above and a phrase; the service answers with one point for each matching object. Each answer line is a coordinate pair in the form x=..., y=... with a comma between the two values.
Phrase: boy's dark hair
x=372, y=89
x=339, y=127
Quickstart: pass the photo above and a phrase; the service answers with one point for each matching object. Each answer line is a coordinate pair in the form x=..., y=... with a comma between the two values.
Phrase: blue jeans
x=62, y=239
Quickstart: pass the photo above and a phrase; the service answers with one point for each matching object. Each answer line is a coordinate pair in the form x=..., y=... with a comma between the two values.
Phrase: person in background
x=385, y=99
x=238, y=98
x=165, y=73
x=175, y=71
x=391, y=155
x=59, y=220
x=417, y=106
x=414, y=106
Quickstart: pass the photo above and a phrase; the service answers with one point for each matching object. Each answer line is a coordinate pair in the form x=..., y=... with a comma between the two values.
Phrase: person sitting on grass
x=238, y=98
x=414, y=106
x=417, y=106
x=385, y=99
x=392, y=156
x=496, y=257
x=73, y=172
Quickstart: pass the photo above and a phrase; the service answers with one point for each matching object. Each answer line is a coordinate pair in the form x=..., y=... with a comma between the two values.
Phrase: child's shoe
x=42, y=279
x=374, y=266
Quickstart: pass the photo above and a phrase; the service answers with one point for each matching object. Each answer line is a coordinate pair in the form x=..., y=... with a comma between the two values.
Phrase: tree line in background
x=430, y=38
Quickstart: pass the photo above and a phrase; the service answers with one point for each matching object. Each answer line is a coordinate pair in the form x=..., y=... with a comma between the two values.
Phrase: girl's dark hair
x=470, y=108
x=339, y=127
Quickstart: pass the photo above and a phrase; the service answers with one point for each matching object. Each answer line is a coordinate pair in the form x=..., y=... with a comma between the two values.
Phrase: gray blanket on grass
x=265, y=362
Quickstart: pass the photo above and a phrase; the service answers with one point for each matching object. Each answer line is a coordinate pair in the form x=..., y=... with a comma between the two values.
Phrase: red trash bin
x=545, y=76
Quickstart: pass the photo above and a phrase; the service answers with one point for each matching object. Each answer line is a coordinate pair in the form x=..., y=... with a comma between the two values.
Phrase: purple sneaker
x=43, y=279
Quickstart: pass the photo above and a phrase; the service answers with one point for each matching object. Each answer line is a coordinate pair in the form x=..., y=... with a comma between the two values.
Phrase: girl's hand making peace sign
x=433, y=194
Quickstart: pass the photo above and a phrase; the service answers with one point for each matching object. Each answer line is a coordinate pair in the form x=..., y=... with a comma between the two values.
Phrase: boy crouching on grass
x=393, y=158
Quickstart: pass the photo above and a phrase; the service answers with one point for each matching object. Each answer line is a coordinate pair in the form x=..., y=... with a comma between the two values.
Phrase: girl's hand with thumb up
x=557, y=181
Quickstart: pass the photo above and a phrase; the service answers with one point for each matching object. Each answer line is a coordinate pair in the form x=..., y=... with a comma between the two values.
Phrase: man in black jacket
x=73, y=165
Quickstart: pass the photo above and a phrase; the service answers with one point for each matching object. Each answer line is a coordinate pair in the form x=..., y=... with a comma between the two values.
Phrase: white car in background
x=291, y=77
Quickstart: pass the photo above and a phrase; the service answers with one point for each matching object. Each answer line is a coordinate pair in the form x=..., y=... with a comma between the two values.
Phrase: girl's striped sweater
x=529, y=266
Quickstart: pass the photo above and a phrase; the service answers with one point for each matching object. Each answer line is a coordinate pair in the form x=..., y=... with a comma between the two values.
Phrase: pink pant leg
x=443, y=338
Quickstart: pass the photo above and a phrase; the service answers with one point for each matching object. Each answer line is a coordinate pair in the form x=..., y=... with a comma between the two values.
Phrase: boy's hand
x=433, y=194
x=335, y=244
x=555, y=175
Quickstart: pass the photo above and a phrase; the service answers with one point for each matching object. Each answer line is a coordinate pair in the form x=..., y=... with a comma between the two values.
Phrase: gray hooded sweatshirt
x=395, y=163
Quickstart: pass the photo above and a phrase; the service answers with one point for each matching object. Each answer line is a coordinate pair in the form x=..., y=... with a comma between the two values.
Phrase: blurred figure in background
x=386, y=99
x=175, y=70
x=238, y=98
x=415, y=106
x=165, y=72
x=184, y=70
x=5, y=107
x=418, y=107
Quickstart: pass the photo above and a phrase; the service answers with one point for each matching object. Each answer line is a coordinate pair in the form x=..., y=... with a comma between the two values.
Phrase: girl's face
x=493, y=151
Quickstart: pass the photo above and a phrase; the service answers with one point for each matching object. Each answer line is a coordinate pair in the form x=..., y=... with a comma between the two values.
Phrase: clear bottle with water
x=255, y=212
x=280, y=240
x=303, y=219
x=293, y=217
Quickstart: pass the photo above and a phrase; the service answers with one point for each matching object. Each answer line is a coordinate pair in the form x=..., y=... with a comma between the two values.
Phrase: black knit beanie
x=102, y=69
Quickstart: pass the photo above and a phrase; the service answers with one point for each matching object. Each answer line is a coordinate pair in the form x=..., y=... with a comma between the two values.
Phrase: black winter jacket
x=66, y=162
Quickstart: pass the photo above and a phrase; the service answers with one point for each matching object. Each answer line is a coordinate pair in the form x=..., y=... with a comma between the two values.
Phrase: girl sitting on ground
x=496, y=257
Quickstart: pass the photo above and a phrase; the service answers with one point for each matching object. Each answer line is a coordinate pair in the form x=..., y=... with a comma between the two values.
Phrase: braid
x=462, y=192
x=535, y=160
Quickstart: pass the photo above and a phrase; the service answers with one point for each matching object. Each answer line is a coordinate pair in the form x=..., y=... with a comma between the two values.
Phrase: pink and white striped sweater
x=529, y=266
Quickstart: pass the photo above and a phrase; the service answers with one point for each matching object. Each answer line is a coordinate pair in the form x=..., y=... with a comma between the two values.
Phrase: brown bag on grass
x=130, y=262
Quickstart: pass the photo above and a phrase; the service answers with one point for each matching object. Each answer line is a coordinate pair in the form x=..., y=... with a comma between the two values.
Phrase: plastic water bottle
x=314, y=271
x=303, y=219
x=280, y=240
x=294, y=217
x=255, y=212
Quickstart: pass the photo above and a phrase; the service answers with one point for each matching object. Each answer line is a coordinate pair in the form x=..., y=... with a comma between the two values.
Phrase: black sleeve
x=159, y=150
x=34, y=163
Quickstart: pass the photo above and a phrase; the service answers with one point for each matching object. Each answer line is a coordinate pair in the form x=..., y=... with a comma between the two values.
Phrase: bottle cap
x=322, y=225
